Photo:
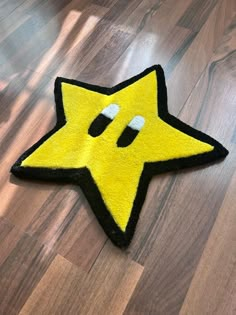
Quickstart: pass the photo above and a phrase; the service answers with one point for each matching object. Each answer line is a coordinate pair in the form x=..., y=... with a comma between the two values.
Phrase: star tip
x=221, y=151
x=155, y=68
x=58, y=79
x=225, y=152
x=122, y=244
x=14, y=169
x=121, y=241
x=17, y=169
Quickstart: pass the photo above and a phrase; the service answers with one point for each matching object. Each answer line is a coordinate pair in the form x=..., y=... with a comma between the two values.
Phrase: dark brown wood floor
x=54, y=257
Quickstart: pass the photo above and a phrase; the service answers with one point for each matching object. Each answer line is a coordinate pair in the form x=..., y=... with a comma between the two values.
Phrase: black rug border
x=83, y=177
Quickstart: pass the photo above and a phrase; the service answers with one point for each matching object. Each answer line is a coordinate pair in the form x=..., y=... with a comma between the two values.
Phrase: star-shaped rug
x=111, y=141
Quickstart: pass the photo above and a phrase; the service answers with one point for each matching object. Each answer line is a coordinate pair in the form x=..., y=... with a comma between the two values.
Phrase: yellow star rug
x=111, y=141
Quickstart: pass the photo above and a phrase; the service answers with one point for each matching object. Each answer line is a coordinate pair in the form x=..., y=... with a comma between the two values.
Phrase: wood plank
x=23, y=264
x=96, y=70
x=21, y=100
x=7, y=7
x=20, y=14
x=216, y=273
x=140, y=18
x=105, y=3
x=25, y=111
x=61, y=278
x=158, y=49
x=47, y=56
x=121, y=9
x=66, y=223
x=29, y=29
x=151, y=16
x=203, y=93
x=82, y=52
x=105, y=33
x=73, y=40
x=47, y=45
x=66, y=289
x=10, y=25
x=196, y=14
x=40, y=31
x=195, y=60
x=9, y=237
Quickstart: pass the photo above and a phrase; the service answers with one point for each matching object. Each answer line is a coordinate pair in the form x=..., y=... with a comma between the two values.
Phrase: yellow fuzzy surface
x=115, y=170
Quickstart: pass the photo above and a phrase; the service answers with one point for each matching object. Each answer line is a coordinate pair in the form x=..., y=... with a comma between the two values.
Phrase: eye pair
x=107, y=115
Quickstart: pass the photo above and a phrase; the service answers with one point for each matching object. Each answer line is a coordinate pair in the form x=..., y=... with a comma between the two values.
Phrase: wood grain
x=216, y=272
x=54, y=256
x=159, y=49
x=64, y=224
x=197, y=14
x=74, y=39
x=7, y=7
x=68, y=290
x=105, y=3
x=23, y=263
x=198, y=55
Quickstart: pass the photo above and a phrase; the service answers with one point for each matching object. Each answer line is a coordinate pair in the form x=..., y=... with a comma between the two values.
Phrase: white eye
x=131, y=131
x=103, y=120
x=137, y=122
x=111, y=111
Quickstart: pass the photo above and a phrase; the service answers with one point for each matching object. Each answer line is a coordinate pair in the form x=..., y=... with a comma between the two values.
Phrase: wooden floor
x=54, y=257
